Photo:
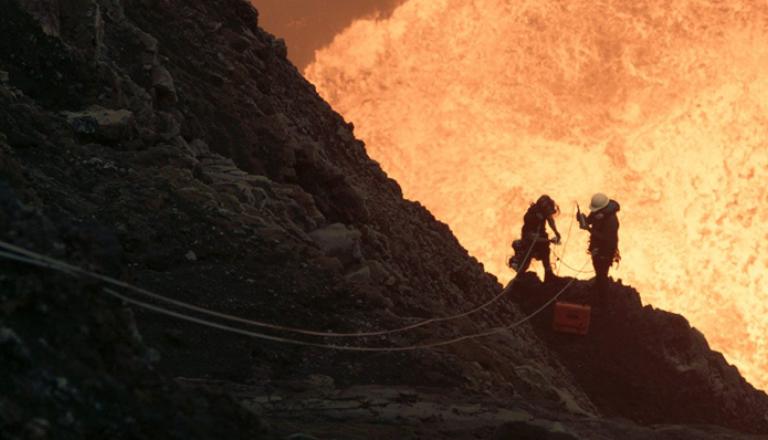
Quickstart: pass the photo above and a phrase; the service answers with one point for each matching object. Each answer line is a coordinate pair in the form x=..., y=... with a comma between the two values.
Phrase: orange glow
x=477, y=107
x=308, y=25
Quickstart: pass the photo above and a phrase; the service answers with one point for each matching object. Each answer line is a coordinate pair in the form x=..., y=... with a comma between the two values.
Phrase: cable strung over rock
x=49, y=263
x=246, y=321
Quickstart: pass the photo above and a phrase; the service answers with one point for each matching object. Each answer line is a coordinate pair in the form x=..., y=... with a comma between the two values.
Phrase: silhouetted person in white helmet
x=603, y=227
x=534, y=237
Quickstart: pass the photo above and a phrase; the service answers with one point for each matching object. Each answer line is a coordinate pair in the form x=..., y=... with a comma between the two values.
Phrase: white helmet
x=599, y=201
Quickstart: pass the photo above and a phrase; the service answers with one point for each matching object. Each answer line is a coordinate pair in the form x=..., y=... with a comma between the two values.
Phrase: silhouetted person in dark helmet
x=534, y=234
x=603, y=226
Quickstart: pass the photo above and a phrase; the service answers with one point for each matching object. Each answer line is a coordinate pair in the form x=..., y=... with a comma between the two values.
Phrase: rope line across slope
x=188, y=306
x=164, y=311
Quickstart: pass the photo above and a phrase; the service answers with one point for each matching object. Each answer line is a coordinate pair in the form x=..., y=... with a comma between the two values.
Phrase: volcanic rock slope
x=171, y=145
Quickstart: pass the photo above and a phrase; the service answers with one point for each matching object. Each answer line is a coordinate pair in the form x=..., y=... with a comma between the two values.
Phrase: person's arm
x=553, y=226
x=582, y=219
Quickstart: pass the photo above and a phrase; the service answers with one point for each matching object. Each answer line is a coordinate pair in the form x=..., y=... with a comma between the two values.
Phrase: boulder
x=46, y=12
x=198, y=148
x=113, y=9
x=163, y=85
x=280, y=48
x=359, y=276
x=102, y=124
x=337, y=240
x=242, y=191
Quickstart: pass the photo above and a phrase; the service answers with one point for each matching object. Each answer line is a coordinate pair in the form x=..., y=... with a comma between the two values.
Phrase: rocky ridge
x=172, y=145
x=662, y=366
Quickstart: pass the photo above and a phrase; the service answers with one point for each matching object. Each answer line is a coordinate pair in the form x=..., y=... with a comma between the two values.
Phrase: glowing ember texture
x=478, y=107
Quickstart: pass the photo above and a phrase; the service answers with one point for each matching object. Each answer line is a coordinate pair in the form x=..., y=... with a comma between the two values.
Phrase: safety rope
x=577, y=271
x=565, y=244
x=491, y=332
x=161, y=310
x=560, y=260
x=238, y=319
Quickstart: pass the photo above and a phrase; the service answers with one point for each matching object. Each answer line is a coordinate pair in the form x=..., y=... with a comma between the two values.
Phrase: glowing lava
x=477, y=107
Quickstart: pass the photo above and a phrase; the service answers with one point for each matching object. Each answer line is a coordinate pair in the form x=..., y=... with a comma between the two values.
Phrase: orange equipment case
x=571, y=318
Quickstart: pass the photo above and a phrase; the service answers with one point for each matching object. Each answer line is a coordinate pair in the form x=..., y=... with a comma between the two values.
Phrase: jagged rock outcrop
x=255, y=177
x=646, y=364
x=235, y=158
x=225, y=181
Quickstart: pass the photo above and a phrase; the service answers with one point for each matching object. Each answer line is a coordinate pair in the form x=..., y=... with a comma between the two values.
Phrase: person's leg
x=601, y=265
x=604, y=265
x=595, y=266
x=547, y=263
x=526, y=261
x=526, y=264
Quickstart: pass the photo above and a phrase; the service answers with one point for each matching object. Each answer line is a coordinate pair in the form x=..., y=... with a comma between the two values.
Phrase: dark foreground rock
x=170, y=144
x=74, y=364
x=645, y=364
x=314, y=408
x=230, y=184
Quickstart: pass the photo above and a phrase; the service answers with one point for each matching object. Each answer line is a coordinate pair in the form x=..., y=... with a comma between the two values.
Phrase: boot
x=550, y=277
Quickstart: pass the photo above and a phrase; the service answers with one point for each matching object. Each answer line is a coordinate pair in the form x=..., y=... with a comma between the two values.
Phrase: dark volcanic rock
x=74, y=364
x=645, y=364
x=254, y=175
x=171, y=144
x=288, y=219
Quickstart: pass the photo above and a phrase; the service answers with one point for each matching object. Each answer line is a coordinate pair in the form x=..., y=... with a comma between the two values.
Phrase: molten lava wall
x=477, y=107
x=307, y=25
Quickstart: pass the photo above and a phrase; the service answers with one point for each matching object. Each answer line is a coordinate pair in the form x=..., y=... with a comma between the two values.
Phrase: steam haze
x=309, y=25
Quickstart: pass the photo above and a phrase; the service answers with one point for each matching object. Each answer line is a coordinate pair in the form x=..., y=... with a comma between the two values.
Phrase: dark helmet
x=547, y=205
